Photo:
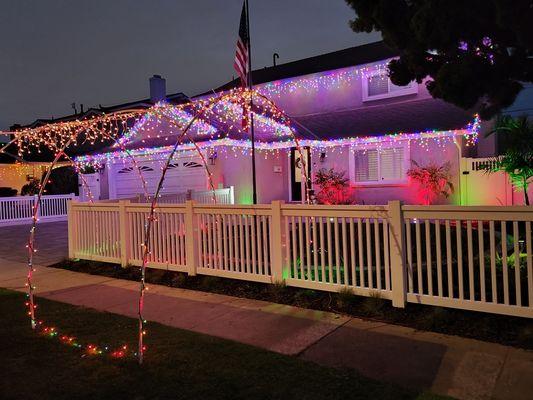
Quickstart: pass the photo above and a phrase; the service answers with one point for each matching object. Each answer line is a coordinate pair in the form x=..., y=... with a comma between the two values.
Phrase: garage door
x=184, y=173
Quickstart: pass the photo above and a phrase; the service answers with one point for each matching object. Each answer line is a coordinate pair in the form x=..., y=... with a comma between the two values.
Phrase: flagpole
x=250, y=86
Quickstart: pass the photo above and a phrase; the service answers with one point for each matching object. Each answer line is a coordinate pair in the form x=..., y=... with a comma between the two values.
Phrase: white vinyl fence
x=474, y=258
x=222, y=196
x=19, y=209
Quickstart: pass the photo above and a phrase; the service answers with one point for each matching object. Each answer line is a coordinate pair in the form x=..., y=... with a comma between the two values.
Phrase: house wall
x=235, y=169
x=408, y=192
x=347, y=94
x=333, y=97
x=15, y=175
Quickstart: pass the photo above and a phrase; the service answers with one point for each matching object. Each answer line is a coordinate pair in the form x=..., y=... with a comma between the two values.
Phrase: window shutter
x=366, y=165
x=392, y=165
x=378, y=84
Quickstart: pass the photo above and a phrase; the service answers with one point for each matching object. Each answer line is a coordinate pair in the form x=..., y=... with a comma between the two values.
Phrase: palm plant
x=517, y=160
x=434, y=180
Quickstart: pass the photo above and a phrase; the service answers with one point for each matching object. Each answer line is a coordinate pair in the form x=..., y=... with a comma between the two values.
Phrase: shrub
x=334, y=187
x=31, y=188
x=305, y=297
x=437, y=318
x=7, y=192
x=374, y=304
x=434, y=180
x=345, y=298
x=179, y=280
x=278, y=291
x=210, y=283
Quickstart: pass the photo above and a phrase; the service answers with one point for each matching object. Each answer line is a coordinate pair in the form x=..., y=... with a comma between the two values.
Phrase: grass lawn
x=179, y=364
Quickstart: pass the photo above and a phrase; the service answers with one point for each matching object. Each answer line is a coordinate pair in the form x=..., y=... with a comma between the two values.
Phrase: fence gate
x=90, y=182
x=481, y=188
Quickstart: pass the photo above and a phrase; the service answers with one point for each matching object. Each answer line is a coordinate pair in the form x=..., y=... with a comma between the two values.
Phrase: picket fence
x=19, y=209
x=473, y=258
x=222, y=196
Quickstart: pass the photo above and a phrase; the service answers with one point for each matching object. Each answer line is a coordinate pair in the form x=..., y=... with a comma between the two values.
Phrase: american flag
x=241, y=55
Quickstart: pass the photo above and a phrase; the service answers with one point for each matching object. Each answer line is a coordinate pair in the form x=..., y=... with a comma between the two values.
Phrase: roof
x=407, y=117
x=410, y=116
x=175, y=98
x=349, y=57
x=45, y=155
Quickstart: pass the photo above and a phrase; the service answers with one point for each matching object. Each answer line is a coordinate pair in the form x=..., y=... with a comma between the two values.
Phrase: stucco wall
x=408, y=192
x=235, y=169
x=333, y=97
x=343, y=91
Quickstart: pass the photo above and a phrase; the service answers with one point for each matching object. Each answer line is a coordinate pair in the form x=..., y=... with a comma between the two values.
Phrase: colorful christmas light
x=211, y=120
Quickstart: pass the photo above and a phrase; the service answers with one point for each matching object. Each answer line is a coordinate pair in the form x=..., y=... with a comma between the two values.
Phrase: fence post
x=397, y=253
x=276, y=242
x=191, y=257
x=124, y=237
x=71, y=229
x=231, y=195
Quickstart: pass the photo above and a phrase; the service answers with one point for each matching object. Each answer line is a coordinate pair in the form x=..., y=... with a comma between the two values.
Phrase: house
x=341, y=106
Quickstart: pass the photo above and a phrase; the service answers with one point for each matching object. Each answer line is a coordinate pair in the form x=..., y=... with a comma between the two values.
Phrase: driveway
x=51, y=243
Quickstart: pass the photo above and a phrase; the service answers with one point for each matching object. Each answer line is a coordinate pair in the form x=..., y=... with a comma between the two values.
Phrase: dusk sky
x=55, y=52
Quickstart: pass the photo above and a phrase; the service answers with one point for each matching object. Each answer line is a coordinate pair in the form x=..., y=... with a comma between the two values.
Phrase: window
x=377, y=85
x=379, y=166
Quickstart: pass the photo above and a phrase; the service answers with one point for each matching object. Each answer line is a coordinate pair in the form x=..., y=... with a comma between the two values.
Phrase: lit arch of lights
x=189, y=125
x=201, y=125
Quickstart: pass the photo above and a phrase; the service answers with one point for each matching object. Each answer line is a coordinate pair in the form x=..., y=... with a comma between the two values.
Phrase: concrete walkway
x=462, y=368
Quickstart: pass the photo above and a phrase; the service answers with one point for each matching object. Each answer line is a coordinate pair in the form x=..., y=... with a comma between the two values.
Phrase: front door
x=297, y=177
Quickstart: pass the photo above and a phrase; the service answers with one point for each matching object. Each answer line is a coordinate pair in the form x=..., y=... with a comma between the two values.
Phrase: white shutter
x=378, y=84
x=366, y=165
x=391, y=163
x=386, y=165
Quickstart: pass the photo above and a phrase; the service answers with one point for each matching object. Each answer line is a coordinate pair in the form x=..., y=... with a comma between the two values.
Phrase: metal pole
x=250, y=86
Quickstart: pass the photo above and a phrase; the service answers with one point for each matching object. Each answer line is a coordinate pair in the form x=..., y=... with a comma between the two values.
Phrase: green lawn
x=179, y=364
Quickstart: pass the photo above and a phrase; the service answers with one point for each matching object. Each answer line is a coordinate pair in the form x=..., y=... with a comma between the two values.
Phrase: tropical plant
x=475, y=53
x=517, y=159
x=334, y=187
x=434, y=180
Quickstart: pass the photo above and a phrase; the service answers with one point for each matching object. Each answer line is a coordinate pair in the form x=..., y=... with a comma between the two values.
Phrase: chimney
x=158, y=88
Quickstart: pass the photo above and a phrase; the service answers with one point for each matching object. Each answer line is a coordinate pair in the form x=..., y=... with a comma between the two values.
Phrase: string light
x=313, y=83
x=218, y=122
x=469, y=133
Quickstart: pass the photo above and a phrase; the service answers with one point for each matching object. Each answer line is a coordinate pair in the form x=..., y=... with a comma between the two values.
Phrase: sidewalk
x=462, y=368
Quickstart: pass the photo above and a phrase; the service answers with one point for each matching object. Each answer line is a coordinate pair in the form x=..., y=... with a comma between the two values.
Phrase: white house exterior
x=350, y=118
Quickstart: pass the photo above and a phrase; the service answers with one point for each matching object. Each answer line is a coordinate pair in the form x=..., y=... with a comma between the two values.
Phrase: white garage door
x=184, y=173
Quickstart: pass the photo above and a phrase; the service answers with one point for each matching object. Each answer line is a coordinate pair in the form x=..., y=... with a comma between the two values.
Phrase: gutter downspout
x=460, y=170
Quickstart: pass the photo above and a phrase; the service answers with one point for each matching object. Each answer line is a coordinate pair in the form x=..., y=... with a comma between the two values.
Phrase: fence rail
x=475, y=258
x=19, y=209
x=222, y=196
